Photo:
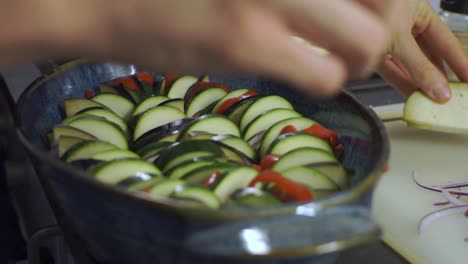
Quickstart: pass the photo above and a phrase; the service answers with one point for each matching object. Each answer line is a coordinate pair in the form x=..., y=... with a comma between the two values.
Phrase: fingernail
x=441, y=92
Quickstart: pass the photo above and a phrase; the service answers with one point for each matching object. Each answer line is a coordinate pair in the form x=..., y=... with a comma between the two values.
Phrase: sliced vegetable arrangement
x=199, y=142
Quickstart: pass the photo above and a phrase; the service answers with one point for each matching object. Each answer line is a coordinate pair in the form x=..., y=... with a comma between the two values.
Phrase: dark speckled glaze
x=116, y=226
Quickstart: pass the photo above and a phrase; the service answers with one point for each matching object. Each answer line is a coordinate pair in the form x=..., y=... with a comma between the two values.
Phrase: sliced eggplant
x=451, y=117
x=102, y=130
x=117, y=103
x=156, y=117
x=262, y=105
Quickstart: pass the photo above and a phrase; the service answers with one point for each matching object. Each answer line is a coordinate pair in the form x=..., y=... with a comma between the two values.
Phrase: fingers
x=388, y=10
x=396, y=76
x=265, y=45
x=448, y=47
x=345, y=28
x=425, y=75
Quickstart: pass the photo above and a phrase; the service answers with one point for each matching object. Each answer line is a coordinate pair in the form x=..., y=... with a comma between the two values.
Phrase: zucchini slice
x=160, y=133
x=153, y=148
x=66, y=142
x=211, y=123
x=108, y=115
x=120, y=105
x=145, y=185
x=86, y=149
x=200, y=87
x=115, y=154
x=334, y=170
x=102, y=130
x=179, y=148
x=118, y=88
x=164, y=188
x=198, y=194
x=230, y=95
x=180, y=86
x=200, y=174
x=238, y=144
x=156, y=117
x=149, y=103
x=68, y=120
x=302, y=157
x=261, y=106
x=232, y=180
x=75, y=105
x=137, y=180
x=176, y=102
x=183, y=168
x=236, y=111
x=266, y=120
x=115, y=171
x=63, y=130
x=197, y=135
x=253, y=197
x=203, y=99
x=290, y=141
x=274, y=131
x=193, y=156
x=311, y=178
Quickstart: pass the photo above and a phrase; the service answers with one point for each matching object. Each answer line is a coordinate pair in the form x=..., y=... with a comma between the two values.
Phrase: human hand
x=420, y=44
x=247, y=36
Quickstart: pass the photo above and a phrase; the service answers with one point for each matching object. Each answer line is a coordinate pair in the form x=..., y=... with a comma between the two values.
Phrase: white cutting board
x=399, y=204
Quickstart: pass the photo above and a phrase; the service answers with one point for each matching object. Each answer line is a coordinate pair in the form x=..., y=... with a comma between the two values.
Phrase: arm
x=216, y=36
